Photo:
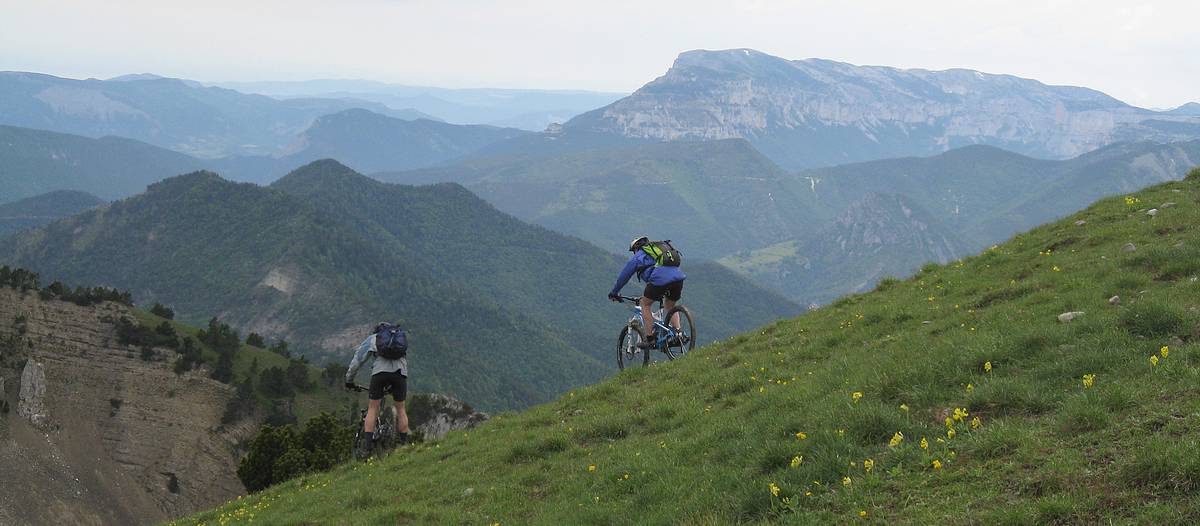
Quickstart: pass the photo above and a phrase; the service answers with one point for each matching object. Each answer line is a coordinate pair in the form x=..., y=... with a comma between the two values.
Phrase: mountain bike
x=671, y=342
x=386, y=440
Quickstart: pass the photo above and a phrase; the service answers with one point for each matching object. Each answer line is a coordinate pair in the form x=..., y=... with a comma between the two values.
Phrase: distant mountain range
x=814, y=234
x=43, y=209
x=37, y=161
x=711, y=198
x=814, y=113
x=372, y=142
x=944, y=207
x=34, y=162
x=877, y=236
x=502, y=314
x=171, y=113
x=529, y=110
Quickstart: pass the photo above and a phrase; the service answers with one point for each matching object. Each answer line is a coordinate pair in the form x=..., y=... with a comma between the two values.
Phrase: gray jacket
x=380, y=365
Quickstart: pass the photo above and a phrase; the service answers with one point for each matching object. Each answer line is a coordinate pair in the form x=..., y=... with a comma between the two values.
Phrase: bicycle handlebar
x=358, y=388
x=628, y=298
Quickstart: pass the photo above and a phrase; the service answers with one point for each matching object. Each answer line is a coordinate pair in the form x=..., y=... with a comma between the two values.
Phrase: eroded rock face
x=446, y=414
x=31, y=403
x=100, y=436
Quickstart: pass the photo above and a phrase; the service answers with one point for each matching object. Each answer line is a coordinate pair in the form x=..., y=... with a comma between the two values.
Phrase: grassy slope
x=699, y=441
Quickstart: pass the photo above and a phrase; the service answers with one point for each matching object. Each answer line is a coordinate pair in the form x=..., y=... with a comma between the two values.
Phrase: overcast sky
x=1145, y=53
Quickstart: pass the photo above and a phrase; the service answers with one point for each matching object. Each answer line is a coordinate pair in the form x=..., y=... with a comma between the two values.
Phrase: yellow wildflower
x=970, y=388
x=1088, y=380
x=987, y=367
x=1056, y=269
x=924, y=443
x=868, y=465
x=796, y=460
x=862, y=513
x=896, y=439
x=975, y=423
x=950, y=433
x=904, y=407
x=591, y=468
x=841, y=432
x=801, y=435
x=857, y=395
x=960, y=413
x=1153, y=361
x=1164, y=351
x=774, y=489
x=949, y=422
x=937, y=464
x=846, y=481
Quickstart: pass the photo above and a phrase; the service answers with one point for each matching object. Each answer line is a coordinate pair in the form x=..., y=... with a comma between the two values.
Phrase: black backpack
x=663, y=253
x=391, y=343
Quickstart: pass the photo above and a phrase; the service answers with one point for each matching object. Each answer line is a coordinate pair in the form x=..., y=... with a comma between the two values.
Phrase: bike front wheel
x=684, y=339
x=628, y=353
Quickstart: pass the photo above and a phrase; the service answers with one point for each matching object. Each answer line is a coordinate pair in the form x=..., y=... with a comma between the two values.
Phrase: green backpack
x=663, y=253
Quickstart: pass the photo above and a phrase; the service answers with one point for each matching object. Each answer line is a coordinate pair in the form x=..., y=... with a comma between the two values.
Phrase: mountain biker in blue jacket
x=660, y=282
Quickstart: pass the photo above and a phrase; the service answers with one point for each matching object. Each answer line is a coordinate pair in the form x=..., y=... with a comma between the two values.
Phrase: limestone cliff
x=811, y=113
x=97, y=434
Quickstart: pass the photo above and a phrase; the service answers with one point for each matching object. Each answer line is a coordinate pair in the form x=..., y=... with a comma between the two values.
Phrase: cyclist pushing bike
x=388, y=347
x=657, y=264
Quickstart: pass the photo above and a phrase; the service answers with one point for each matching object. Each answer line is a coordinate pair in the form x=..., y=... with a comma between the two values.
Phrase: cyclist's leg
x=374, y=400
x=647, y=318
x=372, y=413
x=399, y=394
x=673, y=294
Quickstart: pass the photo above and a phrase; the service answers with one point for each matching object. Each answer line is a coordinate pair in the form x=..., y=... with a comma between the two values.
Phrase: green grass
x=700, y=440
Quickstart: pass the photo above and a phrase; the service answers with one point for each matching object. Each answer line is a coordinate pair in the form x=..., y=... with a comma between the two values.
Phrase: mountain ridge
x=812, y=113
x=321, y=268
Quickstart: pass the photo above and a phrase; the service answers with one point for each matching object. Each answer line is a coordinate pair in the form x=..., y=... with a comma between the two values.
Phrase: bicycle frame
x=661, y=329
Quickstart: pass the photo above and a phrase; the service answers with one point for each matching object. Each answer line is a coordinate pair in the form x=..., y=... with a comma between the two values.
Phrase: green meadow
x=955, y=396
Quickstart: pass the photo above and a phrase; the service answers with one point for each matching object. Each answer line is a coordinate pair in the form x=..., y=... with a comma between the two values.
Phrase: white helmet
x=637, y=243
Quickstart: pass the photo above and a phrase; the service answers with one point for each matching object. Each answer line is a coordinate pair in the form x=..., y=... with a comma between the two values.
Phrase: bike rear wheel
x=358, y=447
x=628, y=353
x=685, y=335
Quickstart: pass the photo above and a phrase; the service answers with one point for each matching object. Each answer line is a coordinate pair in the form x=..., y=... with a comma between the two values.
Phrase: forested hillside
x=713, y=198
x=502, y=314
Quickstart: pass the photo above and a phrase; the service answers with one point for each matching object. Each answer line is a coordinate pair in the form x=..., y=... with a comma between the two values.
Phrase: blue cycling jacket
x=642, y=264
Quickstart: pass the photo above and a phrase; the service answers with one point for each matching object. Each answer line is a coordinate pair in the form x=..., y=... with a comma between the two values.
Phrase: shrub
x=241, y=405
x=223, y=372
x=279, y=453
x=255, y=340
x=1193, y=175
x=162, y=311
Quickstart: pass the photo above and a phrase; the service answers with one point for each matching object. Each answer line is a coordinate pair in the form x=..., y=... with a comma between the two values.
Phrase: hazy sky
x=1146, y=53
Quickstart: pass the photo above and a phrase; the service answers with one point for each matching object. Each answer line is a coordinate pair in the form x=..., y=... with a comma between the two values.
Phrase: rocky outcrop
x=101, y=435
x=436, y=415
x=31, y=404
x=808, y=113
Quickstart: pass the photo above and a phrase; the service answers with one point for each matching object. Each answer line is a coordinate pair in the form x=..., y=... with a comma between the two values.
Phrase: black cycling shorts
x=381, y=383
x=673, y=291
